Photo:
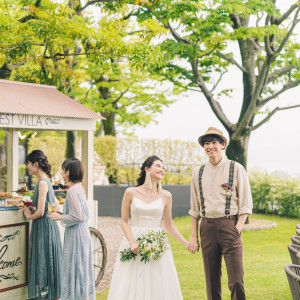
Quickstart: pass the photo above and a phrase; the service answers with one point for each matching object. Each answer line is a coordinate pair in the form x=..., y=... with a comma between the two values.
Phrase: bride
x=148, y=205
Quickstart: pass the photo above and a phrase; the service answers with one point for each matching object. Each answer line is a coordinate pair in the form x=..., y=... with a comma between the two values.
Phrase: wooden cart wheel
x=99, y=254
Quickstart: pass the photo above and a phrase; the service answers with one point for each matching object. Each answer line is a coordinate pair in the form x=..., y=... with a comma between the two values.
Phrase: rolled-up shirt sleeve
x=195, y=203
x=75, y=213
x=244, y=192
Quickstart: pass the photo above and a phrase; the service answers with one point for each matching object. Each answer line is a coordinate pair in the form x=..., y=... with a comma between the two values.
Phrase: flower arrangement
x=152, y=244
x=228, y=188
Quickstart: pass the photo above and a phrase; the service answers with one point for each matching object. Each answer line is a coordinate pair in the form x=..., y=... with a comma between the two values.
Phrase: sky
x=272, y=147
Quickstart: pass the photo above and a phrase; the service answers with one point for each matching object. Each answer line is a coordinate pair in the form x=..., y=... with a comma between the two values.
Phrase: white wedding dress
x=135, y=280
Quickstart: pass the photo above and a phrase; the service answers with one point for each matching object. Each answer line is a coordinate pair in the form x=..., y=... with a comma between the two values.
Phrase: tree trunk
x=70, y=149
x=109, y=124
x=237, y=149
x=5, y=72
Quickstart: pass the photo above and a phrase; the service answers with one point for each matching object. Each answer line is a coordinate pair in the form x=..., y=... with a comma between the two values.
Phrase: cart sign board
x=45, y=122
x=13, y=256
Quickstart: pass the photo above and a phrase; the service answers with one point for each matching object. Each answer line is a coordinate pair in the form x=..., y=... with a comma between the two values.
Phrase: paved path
x=112, y=232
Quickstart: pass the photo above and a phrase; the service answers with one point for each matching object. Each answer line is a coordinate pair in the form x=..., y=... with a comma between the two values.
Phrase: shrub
x=53, y=147
x=123, y=158
x=22, y=172
x=275, y=193
x=106, y=146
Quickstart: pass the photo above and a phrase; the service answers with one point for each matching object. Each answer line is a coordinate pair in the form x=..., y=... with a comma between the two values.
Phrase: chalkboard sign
x=13, y=256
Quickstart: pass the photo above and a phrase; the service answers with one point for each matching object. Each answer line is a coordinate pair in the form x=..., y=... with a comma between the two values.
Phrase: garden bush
x=123, y=158
x=275, y=193
x=53, y=147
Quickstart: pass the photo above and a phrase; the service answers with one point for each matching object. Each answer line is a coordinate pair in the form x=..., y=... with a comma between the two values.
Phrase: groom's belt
x=235, y=217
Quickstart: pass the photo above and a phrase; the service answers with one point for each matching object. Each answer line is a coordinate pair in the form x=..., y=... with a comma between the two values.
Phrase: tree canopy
x=206, y=38
x=118, y=66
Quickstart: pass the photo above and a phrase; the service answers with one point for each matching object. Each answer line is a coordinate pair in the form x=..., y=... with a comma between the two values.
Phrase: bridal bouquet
x=152, y=244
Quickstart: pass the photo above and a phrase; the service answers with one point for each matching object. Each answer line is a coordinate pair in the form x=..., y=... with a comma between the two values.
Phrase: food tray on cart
x=4, y=195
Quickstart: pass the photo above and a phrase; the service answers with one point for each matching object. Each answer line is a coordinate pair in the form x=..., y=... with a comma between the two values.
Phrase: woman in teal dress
x=45, y=250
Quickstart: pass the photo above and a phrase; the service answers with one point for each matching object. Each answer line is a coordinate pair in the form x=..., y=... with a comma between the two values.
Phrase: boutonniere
x=228, y=189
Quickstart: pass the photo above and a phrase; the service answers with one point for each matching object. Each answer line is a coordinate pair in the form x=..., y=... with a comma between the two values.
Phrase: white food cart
x=36, y=107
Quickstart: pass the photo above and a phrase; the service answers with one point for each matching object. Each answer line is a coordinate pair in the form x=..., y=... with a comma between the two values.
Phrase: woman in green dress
x=45, y=249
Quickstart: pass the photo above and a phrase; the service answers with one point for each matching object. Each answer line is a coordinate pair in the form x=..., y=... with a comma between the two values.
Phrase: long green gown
x=45, y=252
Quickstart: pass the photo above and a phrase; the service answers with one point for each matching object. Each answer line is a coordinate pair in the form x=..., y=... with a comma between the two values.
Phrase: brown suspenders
x=228, y=196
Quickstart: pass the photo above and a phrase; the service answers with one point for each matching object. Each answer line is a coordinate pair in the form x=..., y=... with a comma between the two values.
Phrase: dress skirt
x=45, y=254
x=77, y=266
x=135, y=280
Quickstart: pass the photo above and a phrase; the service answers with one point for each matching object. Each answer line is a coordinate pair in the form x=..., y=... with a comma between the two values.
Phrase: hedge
x=275, y=193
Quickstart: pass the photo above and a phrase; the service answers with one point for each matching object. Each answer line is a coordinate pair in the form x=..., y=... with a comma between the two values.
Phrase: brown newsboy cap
x=215, y=131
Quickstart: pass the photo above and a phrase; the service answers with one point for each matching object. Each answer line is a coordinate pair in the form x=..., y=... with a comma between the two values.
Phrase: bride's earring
x=159, y=187
x=148, y=181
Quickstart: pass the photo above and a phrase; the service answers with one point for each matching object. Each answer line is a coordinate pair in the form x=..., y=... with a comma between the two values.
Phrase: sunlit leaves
x=55, y=31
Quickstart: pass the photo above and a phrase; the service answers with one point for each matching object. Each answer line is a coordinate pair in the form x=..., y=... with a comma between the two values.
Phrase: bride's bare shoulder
x=166, y=194
x=129, y=192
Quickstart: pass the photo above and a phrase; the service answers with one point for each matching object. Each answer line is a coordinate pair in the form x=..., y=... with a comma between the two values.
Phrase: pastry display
x=17, y=201
x=5, y=194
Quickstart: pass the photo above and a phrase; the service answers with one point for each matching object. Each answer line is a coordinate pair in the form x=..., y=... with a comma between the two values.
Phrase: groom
x=221, y=196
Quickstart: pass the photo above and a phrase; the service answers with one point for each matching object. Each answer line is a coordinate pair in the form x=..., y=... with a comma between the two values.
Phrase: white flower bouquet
x=152, y=244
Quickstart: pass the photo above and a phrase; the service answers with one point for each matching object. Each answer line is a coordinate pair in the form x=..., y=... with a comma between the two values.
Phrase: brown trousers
x=219, y=236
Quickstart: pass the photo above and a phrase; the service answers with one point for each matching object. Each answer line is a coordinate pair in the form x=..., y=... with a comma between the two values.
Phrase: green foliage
x=54, y=31
x=2, y=136
x=53, y=147
x=22, y=172
x=125, y=96
x=127, y=255
x=275, y=194
x=203, y=40
x=123, y=158
x=106, y=148
x=61, y=45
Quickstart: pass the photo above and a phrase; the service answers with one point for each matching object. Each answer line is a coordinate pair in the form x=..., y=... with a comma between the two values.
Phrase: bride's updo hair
x=147, y=164
x=42, y=160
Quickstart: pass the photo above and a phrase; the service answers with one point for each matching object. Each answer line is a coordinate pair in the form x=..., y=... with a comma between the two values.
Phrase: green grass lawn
x=265, y=254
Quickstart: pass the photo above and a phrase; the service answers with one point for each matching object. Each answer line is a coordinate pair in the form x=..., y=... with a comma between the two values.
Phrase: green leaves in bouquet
x=152, y=244
x=127, y=255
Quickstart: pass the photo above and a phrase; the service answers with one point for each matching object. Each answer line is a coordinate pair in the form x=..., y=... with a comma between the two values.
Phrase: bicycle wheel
x=99, y=253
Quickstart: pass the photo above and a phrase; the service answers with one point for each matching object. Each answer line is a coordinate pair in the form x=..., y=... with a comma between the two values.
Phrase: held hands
x=193, y=246
x=54, y=216
x=134, y=247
